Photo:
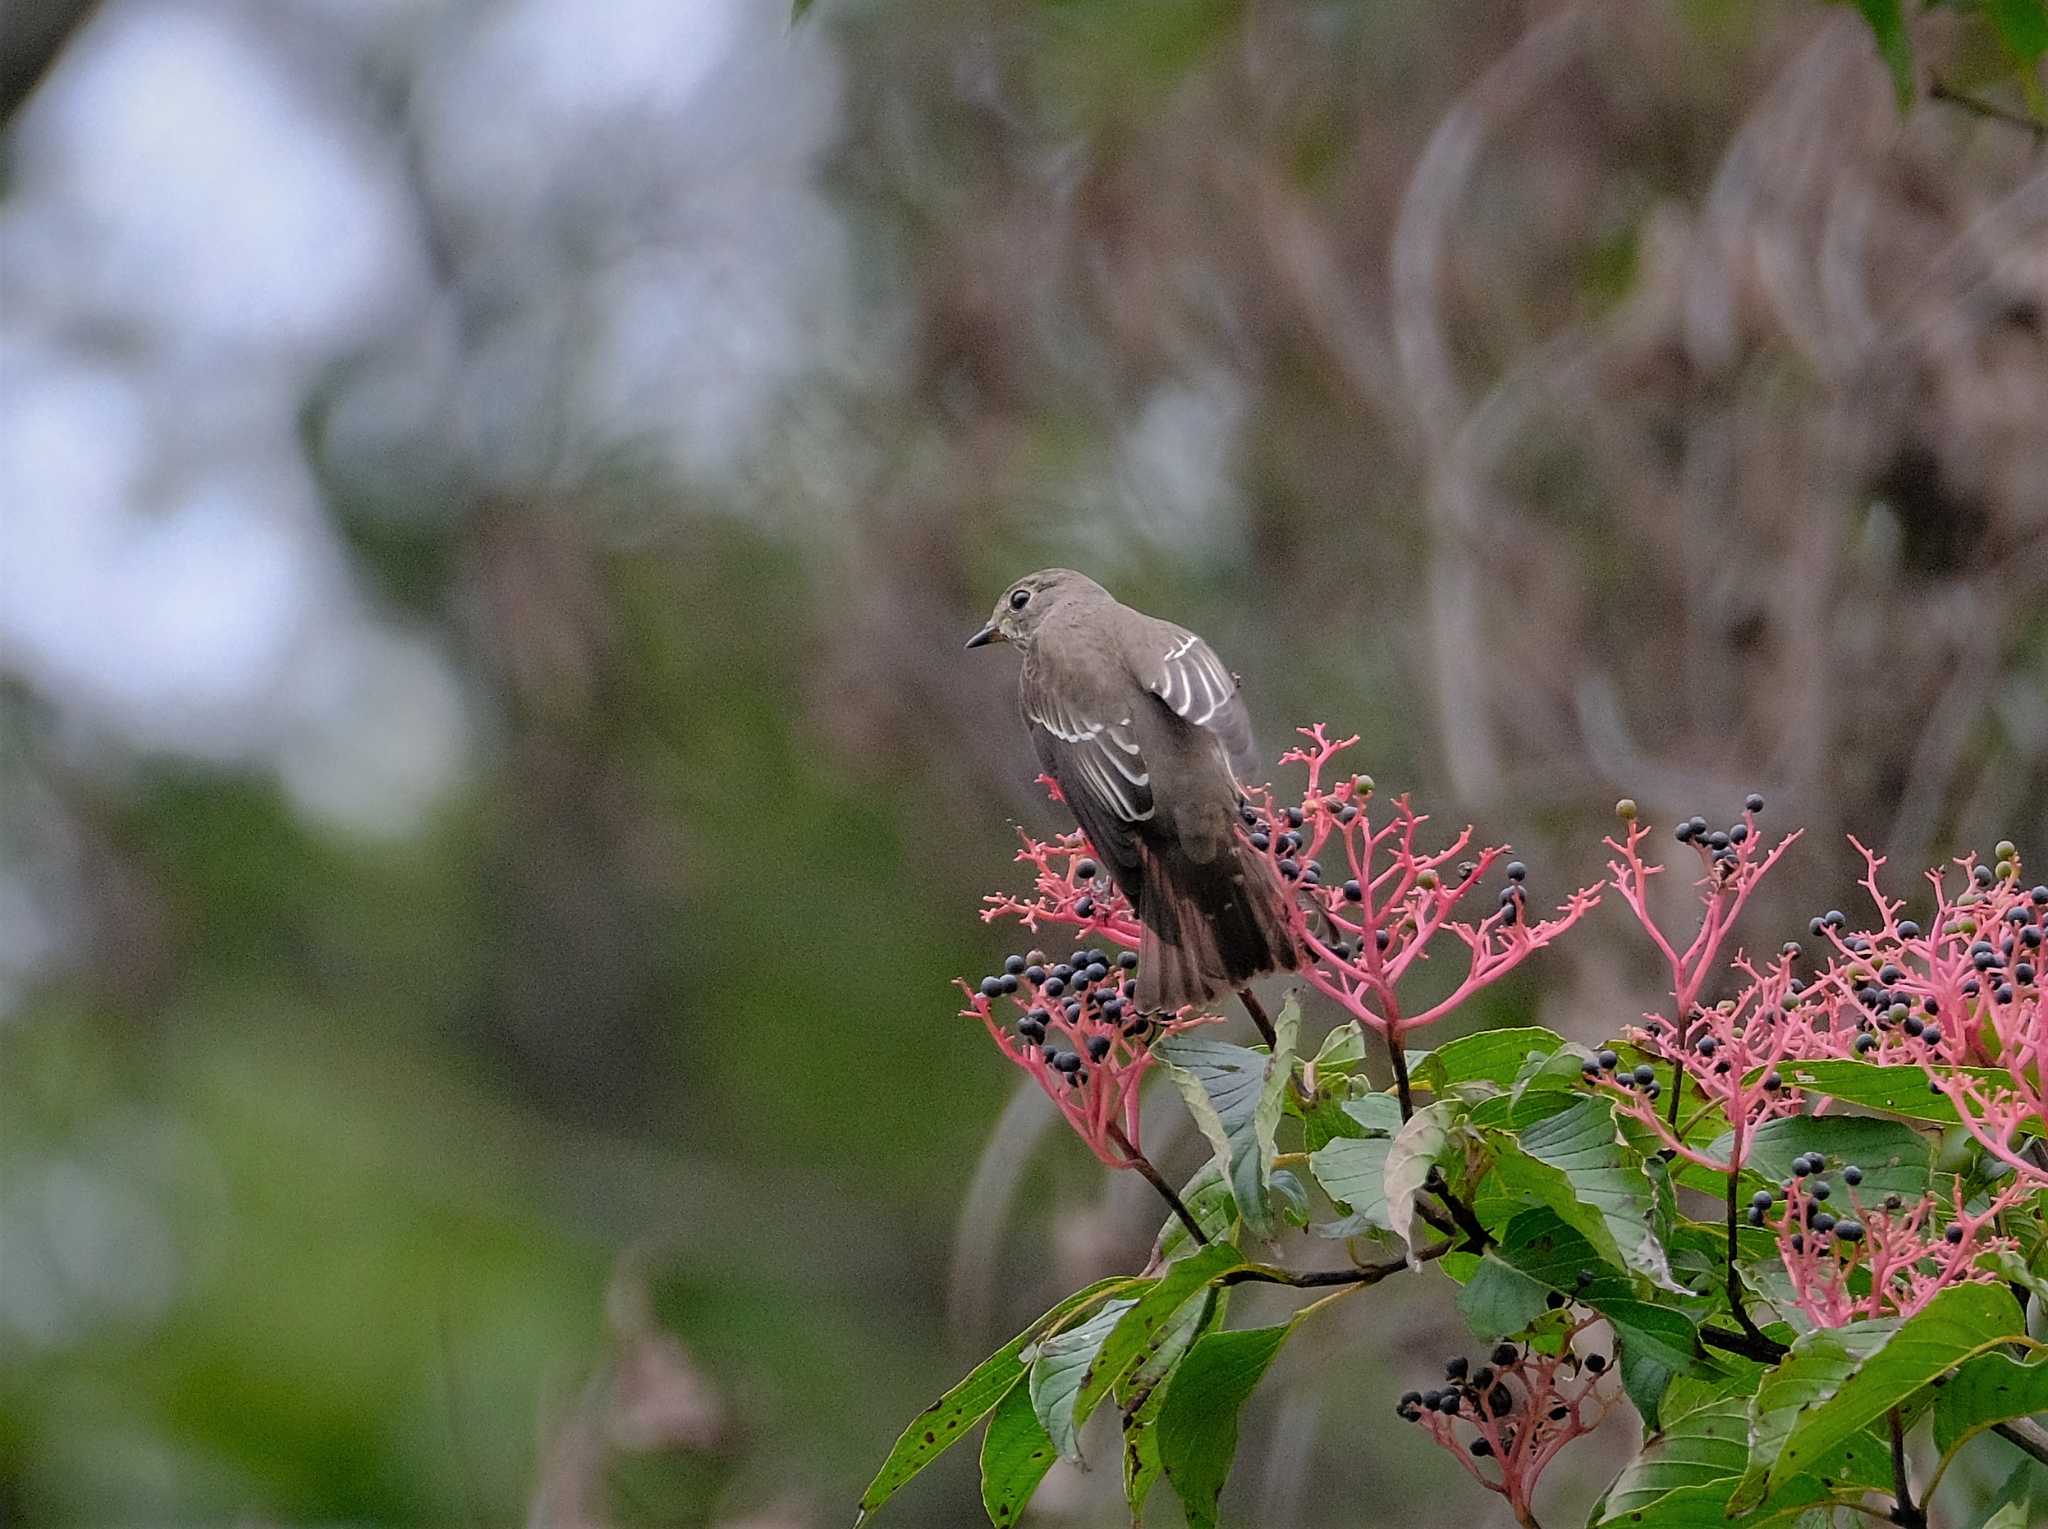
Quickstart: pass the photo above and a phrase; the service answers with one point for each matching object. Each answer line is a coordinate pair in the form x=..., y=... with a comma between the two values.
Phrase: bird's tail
x=1209, y=927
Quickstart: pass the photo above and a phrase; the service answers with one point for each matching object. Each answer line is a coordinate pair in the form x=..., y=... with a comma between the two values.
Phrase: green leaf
x=1144, y=1391
x=1992, y=1388
x=1015, y=1455
x=1150, y=1315
x=1499, y=1299
x=1836, y=1381
x=2022, y=27
x=1342, y=1047
x=1209, y=1200
x=2012, y=1507
x=1710, y=1443
x=1543, y=1246
x=1377, y=1114
x=1413, y=1153
x=1888, y=26
x=1198, y=1425
x=1701, y=1453
x=1895, y=1158
x=1353, y=1172
x=1490, y=1056
x=1898, y=1090
x=946, y=1421
x=1576, y=1163
x=1058, y=1368
x=1237, y=1095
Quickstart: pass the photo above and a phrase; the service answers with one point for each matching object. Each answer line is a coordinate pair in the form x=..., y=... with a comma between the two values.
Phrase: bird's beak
x=985, y=636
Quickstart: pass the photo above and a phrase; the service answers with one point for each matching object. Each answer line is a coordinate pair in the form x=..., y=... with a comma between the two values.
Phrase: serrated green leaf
x=1896, y=1090
x=1709, y=1447
x=1015, y=1455
x=1209, y=1200
x=946, y=1421
x=1991, y=1388
x=1353, y=1172
x=1144, y=1392
x=1708, y=1444
x=1543, y=1246
x=1499, y=1299
x=1139, y=1327
x=1413, y=1153
x=1489, y=1056
x=1198, y=1425
x=1836, y=1381
x=1058, y=1367
x=1576, y=1163
x=1895, y=1158
x=1237, y=1096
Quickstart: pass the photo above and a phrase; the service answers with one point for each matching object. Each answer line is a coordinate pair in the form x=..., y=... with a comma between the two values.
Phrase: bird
x=1143, y=730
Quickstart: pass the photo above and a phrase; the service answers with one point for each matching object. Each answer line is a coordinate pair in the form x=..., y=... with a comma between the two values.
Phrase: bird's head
x=1029, y=601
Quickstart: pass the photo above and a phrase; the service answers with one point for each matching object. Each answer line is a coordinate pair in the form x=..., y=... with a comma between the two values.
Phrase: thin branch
x=1253, y=1007
x=1905, y=1514
x=1735, y=1305
x=1938, y=91
x=1166, y=1191
x=1317, y=1279
x=2027, y=1437
x=1398, y=1059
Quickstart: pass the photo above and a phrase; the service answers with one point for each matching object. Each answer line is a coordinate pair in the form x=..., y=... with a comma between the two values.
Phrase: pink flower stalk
x=1739, y=1046
x=1737, y=1042
x=1367, y=931
x=1885, y=1262
x=1517, y=1413
x=1068, y=889
x=1963, y=993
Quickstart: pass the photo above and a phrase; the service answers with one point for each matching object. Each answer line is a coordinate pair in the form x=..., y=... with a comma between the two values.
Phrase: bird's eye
x=1019, y=598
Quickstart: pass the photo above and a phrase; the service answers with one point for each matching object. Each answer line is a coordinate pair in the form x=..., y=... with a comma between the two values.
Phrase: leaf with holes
x=1148, y=1316
x=946, y=1421
x=1198, y=1425
x=1144, y=1391
x=1992, y=1388
x=1837, y=1381
x=1708, y=1448
x=1015, y=1455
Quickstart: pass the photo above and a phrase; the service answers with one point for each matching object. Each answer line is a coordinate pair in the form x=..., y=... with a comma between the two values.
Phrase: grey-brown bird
x=1143, y=728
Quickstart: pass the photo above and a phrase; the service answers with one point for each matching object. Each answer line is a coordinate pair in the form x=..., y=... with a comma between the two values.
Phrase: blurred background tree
x=493, y=496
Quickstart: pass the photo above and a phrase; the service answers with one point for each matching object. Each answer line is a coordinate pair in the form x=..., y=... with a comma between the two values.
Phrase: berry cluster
x=1848, y=1260
x=1960, y=998
x=1516, y=1411
x=1370, y=919
x=1075, y=1026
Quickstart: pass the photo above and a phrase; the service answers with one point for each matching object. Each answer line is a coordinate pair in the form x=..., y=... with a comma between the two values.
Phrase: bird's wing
x=1091, y=748
x=1185, y=673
